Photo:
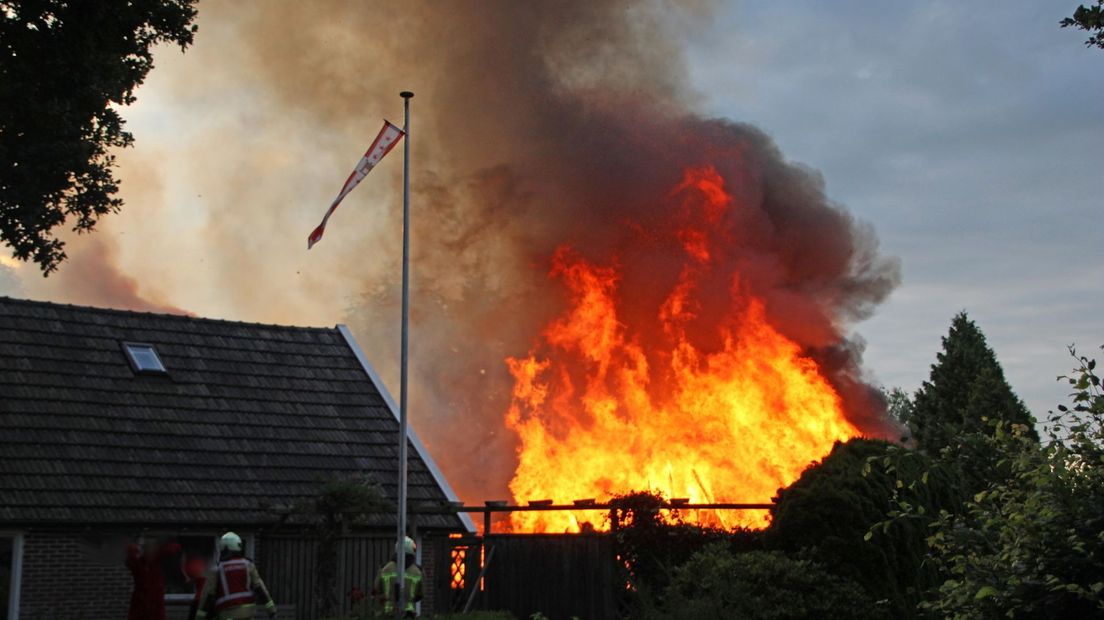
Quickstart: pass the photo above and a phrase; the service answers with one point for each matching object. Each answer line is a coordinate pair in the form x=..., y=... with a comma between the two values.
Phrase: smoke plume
x=91, y=276
x=537, y=125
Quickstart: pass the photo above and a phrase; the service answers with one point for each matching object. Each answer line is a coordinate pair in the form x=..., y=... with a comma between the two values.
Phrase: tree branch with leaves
x=1090, y=19
x=65, y=69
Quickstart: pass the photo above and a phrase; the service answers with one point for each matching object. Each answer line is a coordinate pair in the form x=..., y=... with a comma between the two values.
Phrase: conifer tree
x=965, y=394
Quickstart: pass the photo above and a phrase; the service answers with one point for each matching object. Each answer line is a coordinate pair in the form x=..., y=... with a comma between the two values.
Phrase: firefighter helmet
x=230, y=541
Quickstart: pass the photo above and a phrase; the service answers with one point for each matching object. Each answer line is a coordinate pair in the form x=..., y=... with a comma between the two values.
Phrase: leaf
x=985, y=592
x=870, y=534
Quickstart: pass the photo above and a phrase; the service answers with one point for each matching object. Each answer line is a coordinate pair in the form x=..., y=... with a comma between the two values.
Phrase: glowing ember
x=616, y=397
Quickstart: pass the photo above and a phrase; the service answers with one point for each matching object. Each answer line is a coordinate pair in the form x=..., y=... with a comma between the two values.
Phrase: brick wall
x=63, y=580
x=66, y=578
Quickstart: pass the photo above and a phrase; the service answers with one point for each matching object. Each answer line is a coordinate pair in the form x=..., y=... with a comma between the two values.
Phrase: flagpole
x=400, y=555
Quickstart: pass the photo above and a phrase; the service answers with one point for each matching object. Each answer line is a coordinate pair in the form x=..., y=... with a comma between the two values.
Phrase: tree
x=757, y=585
x=64, y=68
x=965, y=394
x=829, y=511
x=1030, y=544
x=1090, y=19
x=341, y=504
x=898, y=405
x=650, y=541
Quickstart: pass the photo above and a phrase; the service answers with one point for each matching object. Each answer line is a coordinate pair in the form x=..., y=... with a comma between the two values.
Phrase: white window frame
x=16, y=583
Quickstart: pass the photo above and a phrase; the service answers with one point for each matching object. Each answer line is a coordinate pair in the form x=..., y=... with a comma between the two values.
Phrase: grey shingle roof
x=250, y=417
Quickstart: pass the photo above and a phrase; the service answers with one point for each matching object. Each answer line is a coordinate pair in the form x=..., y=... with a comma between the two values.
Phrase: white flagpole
x=400, y=555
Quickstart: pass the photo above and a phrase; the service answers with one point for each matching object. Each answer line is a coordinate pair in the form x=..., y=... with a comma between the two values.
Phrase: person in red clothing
x=194, y=568
x=144, y=560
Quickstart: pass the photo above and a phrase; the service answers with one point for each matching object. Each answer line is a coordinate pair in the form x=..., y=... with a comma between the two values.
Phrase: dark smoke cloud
x=536, y=125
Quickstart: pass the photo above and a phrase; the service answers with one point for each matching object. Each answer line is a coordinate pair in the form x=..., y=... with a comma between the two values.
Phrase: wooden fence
x=562, y=576
x=287, y=565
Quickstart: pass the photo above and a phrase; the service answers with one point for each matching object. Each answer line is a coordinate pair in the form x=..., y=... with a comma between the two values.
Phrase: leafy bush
x=756, y=585
x=340, y=505
x=1031, y=544
x=829, y=511
x=651, y=541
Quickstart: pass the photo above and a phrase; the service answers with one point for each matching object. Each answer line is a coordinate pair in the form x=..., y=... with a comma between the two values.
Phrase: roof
x=249, y=419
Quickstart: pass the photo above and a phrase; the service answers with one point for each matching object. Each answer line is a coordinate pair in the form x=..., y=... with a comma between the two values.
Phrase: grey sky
x=968, y=135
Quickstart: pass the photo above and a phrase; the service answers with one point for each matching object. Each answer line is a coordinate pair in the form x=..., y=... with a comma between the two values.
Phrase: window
x=197, y=553
x=143, y=358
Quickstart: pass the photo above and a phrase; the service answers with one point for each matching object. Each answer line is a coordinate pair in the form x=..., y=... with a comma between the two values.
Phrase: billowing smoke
x=535, y=125
x=91, y=276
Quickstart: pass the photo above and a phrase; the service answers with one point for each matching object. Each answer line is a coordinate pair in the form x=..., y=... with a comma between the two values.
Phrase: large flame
x=688, y=403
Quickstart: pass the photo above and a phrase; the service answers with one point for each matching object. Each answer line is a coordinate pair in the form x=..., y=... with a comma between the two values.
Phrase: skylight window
x=143, y=358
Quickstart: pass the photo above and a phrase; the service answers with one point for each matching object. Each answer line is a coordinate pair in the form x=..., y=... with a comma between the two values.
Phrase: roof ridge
x=165, y=315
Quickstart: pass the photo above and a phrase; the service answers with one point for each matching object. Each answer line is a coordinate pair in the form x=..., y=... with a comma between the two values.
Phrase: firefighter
x=386, y=589
x=234, y=587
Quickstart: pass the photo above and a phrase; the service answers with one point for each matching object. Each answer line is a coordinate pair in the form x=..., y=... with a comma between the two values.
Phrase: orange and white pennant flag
x=388, y=137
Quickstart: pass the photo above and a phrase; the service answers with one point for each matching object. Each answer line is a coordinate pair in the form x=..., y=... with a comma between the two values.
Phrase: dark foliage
x=651, y=542
x=1030, y=545
x=965, y=393
x=828, y=512
x=341, y=504
x=757, y=585
x=1090, y=19
x=65, y=67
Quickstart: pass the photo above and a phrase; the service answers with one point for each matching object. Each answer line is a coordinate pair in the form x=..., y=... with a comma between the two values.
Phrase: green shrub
x=651, y=541
x=756, y=585
x=827, y=513
x=1031, y=544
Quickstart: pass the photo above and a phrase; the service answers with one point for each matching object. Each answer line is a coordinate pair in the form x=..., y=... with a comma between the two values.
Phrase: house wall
x=78, y=575
x=62, y=580
x=65, y=576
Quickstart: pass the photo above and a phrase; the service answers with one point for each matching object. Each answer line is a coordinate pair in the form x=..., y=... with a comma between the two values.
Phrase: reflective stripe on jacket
x=387, y=585
x=244, y=607
x=235, y=585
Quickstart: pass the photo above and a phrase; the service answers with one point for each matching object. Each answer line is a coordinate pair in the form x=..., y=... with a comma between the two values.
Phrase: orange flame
x=603, y=407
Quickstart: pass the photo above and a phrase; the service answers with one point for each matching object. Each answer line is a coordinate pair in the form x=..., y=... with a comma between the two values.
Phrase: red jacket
x=147, y=602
